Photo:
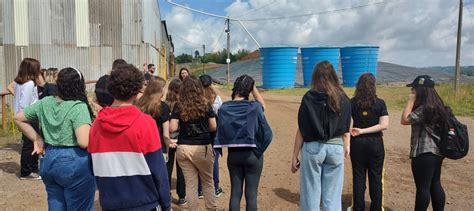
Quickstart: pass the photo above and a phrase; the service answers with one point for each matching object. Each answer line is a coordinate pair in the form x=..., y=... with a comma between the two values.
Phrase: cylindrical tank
x=311, y=56
x=357, y=60
x=278, y=66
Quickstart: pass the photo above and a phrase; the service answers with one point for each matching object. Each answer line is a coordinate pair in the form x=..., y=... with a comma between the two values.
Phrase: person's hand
x=356, y=131
x=173, y=143
x=347, y=151
x=295, y=164
x=38, y=147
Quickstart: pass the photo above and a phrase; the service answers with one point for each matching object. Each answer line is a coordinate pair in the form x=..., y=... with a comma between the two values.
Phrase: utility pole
x=228, y=50
x=202, y=58
x=457, y=70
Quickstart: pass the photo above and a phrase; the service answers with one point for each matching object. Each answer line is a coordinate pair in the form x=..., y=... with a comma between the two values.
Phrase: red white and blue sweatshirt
x=127, y=160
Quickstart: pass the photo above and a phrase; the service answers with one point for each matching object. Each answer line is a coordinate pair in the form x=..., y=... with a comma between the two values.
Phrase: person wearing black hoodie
x=322, y=137
x=243, y=128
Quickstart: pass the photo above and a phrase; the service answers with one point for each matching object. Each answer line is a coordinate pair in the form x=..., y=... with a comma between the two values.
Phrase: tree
x=184, y=58
x=196, y=54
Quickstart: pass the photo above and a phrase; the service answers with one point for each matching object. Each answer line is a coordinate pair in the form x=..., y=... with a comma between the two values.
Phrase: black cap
x=423, y=81
x=206, y=80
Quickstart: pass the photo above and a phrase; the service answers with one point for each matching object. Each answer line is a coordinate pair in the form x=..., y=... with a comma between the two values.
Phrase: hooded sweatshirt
x=316, y=120
x=243, y=124
x=127, y=161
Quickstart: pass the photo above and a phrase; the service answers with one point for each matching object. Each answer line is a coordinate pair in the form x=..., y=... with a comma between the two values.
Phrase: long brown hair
x=324, y=79
x=150, y=102
x=173, y=92
x=209, y=92
x=192, y=103
x=365, y=93
x=29, y=70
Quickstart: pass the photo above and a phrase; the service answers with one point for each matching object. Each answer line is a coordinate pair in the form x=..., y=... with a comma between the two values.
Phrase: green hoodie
x=59, y=119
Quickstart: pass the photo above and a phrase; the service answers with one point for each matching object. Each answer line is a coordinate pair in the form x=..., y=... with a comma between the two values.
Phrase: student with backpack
x=370, y=117
x=427, y=114
x=243, y=128
x=322, y=138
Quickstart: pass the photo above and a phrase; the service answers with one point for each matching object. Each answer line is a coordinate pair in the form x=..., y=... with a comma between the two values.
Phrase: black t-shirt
x=101, y=93
x=164, y=116
x=49, y=90
x=194, y=132
x=365, y=118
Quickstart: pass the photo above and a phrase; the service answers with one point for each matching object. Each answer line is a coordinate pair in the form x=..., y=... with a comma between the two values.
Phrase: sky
x=418, y=33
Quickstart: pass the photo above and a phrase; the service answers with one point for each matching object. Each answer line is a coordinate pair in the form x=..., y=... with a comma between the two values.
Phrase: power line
x=316, y=13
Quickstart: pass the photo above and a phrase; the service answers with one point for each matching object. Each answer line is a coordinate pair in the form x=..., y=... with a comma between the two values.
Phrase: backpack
x=454, y=143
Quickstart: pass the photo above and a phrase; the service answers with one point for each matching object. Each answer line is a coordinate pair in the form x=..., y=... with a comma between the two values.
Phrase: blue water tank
x=278, y=66
x=357, y=60
x=313, y=55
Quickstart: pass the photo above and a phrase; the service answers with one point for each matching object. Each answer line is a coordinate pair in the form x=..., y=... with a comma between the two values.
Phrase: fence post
x=4, y=112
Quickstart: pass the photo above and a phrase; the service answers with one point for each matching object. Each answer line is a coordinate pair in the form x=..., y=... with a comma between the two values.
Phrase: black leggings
x=180, y=184
x=244, y=167
x=426, y=170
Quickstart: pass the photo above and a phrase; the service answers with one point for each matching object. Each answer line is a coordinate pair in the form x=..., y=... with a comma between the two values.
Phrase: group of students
x=135, y=138
x=325, y=137
x=132, y=141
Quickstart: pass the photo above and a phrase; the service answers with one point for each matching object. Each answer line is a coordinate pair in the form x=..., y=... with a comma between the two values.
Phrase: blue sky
x=414, y=33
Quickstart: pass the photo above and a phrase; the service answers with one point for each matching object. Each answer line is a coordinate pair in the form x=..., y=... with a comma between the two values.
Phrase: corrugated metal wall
x=87, y=34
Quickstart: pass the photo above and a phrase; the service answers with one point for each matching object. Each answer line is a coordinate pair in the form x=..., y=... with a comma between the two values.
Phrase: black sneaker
x=32, y=176
x=200, y=195
x=182, y=202
x=219, y=192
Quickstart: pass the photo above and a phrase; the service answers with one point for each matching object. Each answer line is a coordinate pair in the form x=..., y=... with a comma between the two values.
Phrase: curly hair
x=125, y=81
x=192, y=104
x=71, y=86
x=173, y=92
x=150, y=102
x=324, y=79
x=243, y=86
x=365, y=93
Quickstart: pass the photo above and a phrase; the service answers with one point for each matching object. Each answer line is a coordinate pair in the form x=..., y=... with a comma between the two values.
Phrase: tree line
x=218, y=57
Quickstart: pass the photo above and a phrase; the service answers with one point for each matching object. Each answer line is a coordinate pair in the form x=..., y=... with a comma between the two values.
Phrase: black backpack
x=454, y=143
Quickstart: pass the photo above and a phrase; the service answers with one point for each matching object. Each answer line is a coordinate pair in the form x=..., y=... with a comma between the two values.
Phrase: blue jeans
x=321, y=176
x=67, y=175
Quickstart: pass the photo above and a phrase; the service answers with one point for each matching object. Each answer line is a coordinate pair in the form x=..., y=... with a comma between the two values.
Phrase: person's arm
x=82, y=135
x=258, y=97
x=381, y=126
x=174, y=124
x=166, y=135
x=295, y=164
x=347, y=144
x=23, y=124
x=212, y=124
x=11, y=88
x=408, y=109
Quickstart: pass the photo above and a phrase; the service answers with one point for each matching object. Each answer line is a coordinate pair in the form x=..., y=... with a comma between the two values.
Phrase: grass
x=197, y=69
x=462, y=102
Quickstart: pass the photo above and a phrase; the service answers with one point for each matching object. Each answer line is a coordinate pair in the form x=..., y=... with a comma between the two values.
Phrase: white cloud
x=416, y=33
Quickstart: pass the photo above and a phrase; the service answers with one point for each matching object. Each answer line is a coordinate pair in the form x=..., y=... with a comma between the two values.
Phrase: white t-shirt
x=25, y=95
x=217, y=104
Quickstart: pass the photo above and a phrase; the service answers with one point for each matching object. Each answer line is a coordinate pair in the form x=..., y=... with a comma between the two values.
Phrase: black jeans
x=244, y=167
x=367, y=157
x=180, y=185
x=426, y=170
x=28, y=162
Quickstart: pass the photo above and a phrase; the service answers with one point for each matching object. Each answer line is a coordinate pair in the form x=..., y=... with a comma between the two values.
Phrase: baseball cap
x=423, y=81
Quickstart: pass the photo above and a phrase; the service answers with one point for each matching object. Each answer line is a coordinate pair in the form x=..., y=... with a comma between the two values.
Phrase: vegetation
x=462, y=103
x=218, y=57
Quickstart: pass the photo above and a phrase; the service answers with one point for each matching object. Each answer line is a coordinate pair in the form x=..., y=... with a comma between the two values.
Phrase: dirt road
x=279, y=188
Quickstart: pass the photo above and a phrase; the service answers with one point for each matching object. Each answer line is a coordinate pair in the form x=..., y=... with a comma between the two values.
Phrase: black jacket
x=317, y=122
